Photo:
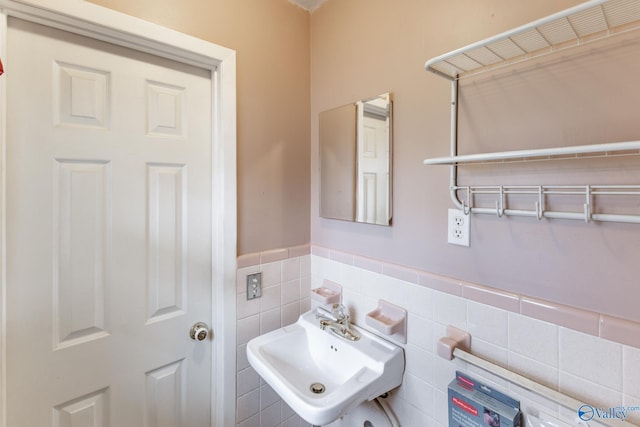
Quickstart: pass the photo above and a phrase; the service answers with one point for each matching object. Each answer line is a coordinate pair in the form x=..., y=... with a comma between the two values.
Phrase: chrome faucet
x=335, y=317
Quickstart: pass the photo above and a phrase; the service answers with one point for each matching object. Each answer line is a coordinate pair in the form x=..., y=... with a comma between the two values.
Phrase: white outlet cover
x=458, y=227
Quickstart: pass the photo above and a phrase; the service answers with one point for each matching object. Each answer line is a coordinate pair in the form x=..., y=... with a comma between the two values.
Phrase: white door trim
x=88, y=19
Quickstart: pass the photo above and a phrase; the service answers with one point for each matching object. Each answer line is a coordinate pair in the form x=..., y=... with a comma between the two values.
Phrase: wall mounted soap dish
x=329, y=293
x=389, y=319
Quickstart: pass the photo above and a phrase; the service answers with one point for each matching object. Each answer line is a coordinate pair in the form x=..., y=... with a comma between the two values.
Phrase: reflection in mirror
x=355, y=161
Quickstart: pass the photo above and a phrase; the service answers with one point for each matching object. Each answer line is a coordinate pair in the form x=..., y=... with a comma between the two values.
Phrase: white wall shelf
x=588, y=22
x=585, y=23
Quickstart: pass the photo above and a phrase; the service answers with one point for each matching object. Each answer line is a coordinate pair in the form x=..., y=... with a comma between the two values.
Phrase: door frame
x=88, y=19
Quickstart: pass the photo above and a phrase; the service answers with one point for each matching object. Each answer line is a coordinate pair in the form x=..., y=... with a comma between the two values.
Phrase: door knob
x=199, y=331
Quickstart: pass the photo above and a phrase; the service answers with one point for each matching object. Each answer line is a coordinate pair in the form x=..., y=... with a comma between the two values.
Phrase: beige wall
x=271, y=38
x=360, y=48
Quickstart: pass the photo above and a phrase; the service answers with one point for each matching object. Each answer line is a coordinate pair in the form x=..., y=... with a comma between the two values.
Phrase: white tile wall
x=285, y=294
x=598, y=371
x=601, y=372
x=533, y=338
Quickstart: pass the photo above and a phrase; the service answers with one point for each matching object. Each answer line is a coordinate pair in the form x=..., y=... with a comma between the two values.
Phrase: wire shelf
x=590, y=21
x=587, y=22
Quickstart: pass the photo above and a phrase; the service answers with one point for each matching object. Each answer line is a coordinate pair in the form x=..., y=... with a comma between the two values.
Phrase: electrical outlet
x=254, y=285
x=458, y=228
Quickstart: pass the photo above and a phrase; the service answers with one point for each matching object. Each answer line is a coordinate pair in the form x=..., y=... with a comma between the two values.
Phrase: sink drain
x=317, y=388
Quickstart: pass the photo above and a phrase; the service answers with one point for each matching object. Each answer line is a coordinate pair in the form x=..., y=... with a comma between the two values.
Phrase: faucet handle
x=334, y=312
x=326, y=312
x=340, y=312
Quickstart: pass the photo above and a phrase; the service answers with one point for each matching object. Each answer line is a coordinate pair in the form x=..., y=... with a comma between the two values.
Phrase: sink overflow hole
x=317, y=388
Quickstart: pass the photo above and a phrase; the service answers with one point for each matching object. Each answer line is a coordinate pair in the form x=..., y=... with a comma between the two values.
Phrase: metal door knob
x=199, y=331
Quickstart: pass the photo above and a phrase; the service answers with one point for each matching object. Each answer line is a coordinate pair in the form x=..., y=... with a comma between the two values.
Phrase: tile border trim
x=272, y=255
x=601, y=325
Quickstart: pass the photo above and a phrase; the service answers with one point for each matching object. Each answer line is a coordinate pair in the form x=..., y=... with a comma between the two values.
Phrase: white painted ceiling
x=309, y=5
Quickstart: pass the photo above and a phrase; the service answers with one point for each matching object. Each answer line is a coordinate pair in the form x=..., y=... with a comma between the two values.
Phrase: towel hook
x=587, y=205
x=500, y=203
x=540, y=204
x=466, y=208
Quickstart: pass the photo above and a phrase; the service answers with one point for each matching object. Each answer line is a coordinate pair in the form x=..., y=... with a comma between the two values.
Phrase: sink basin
x=320, y=375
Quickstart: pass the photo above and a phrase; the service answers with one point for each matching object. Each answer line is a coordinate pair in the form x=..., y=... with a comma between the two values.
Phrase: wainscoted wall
x=557, y=346
x=286, y=278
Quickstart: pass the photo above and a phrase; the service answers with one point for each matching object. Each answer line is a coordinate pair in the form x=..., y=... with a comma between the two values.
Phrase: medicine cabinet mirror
x=355, y=161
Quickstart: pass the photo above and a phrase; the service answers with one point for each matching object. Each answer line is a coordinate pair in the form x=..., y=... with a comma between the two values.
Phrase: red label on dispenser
x=465, y=406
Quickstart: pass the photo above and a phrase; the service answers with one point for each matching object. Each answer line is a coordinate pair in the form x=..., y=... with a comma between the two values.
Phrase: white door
x=373, y=170
x=108, y=234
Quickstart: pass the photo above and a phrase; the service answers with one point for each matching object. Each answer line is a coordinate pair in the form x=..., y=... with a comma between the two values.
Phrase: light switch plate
x=254, y=285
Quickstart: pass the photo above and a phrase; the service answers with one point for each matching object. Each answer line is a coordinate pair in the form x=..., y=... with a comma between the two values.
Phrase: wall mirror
x=355, y=161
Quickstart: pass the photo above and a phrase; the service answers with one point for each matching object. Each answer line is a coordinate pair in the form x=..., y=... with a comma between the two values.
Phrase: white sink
x=295, y=358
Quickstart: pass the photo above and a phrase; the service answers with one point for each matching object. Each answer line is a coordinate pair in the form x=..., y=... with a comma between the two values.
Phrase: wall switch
x=458, y=228
x=254, y=285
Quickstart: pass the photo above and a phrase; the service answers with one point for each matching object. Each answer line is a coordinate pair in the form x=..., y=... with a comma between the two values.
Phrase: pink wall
x=360, y=48
x=271, y=38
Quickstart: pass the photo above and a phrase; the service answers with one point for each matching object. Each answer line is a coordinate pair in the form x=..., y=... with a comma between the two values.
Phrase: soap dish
x=389, y=319
x=329, y=293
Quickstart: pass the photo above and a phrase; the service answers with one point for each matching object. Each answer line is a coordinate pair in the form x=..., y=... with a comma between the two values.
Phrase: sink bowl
x=320, y=375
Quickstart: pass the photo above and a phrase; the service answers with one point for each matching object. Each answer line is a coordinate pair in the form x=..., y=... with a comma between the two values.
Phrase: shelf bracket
x=453, y=149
